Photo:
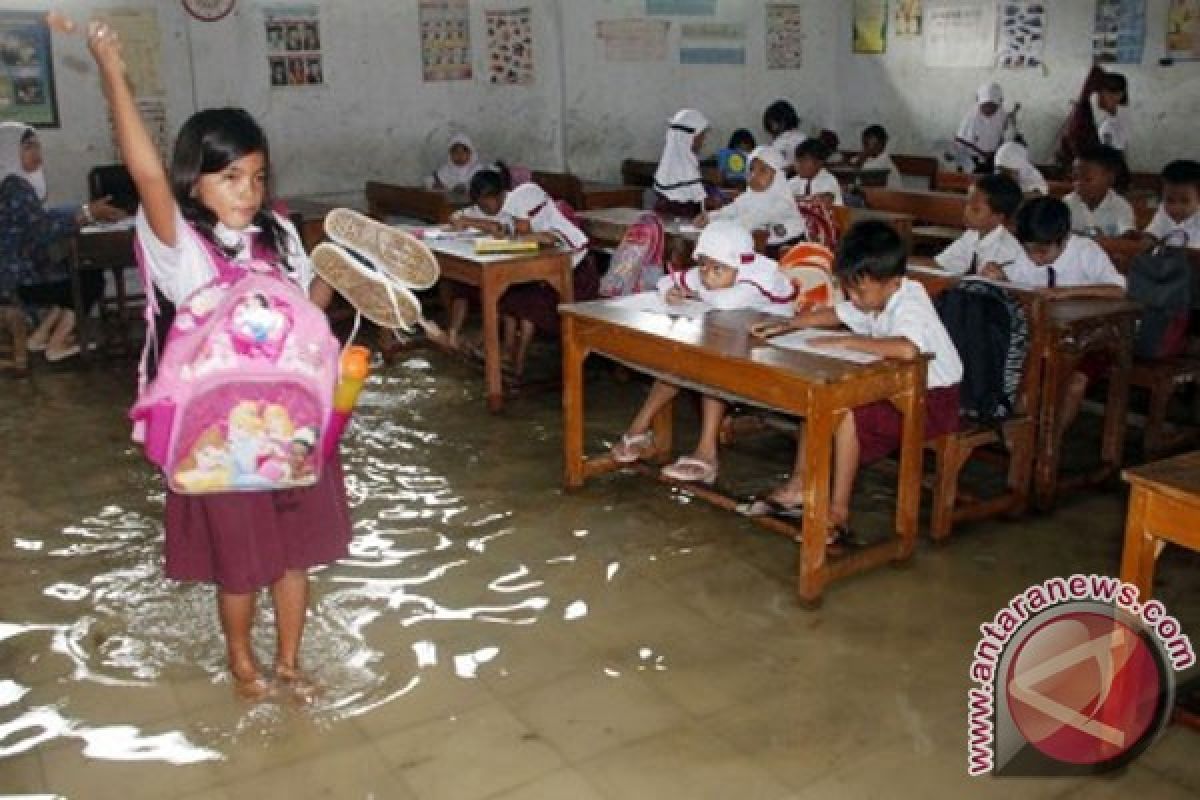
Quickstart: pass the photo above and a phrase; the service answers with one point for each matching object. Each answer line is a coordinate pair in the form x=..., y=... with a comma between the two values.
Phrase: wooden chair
x=638, y=173
x=562, y=186
x=938, y=215
x=1017, y=435
x=430, y=205
x=114, y=182
x=924, y=167
x=945, y=181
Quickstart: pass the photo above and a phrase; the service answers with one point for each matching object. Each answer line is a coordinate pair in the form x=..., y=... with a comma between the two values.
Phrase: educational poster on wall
x=712, y=43
x=1119, y=35
x=633, y=40
x=959, y=34
x=870, y=26
x=140, y=47
x=906, y=18
x=1022, y=42
x=26, y=70
x=445, y=39
x=785, y=36
x=681, y=8
x=510, y=46
x=1183, y=30
x=293, y=46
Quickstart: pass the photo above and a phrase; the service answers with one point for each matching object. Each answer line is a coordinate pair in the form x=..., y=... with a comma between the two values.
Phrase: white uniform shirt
x=1113, y=217
x=180, y=270
x=1114, y=132
x=884, y=161
x=910, y=313
x=984, y=134
x=773, y=209
x=999, y=247
x=824, y=182
x=1081, y=263
x=786, y=143
x=1162, y=225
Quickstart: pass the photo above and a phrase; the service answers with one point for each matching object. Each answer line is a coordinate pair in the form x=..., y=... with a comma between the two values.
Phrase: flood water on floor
x=492, y=636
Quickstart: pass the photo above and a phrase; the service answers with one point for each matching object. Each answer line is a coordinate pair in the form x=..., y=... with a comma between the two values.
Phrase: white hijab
x=678, y=175
x=773, y=208
x=731, y=244
x=983, y=132
x=1014, y=156
x=451, y=175
x=530, y=201
x=11, y=134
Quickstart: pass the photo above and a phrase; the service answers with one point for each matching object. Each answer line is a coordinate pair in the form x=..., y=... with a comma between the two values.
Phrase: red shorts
x=879, y=424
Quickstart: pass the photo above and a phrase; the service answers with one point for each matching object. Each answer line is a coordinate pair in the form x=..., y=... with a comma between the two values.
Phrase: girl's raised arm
x=137, y=148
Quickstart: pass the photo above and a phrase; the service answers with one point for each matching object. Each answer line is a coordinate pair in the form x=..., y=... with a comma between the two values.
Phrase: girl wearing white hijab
x=1012, y=159
x=730, y=276
x=461, y=165
x=982, y=129
x=678, y=186
x=530, y=307
x=28, y=274
x=767, y=202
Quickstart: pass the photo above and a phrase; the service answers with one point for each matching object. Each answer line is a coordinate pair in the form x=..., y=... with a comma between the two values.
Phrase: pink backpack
x=637, y=263
x=244, y=386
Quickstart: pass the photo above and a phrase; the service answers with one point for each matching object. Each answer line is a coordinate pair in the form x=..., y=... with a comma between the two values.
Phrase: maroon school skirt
x=244, y=541
x=538, y=302
x=878, y=424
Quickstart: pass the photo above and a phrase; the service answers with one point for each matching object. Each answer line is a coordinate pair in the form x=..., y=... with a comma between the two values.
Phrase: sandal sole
x=398, y=255
x=366, y=290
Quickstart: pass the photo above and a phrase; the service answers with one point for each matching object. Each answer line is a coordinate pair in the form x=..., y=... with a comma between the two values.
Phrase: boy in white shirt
x=991, y=202
x=1096, y=208
x=889, y=316
x=874, y=155
x=812, y=179
x=1180, y=209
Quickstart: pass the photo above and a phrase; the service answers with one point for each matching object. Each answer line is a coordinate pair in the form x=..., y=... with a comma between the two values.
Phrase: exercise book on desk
x=653, y=303
x=801, y=340
x=490, y=245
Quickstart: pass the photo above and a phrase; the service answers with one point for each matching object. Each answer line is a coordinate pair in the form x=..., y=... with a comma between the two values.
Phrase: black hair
x=1115, y=82
x=1182, y=172
x=870, y=249
x=490, y=182
x=1111, y=159
x=1043, y=220
x=741, y=136
x=814, y=148
x=780, y=117
x=1003, y=194
x=209, y=142
x=28, y=135
x=875, y=132
x=829, y=139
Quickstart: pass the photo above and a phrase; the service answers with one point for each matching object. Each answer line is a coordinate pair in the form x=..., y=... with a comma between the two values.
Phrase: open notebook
x=653, y=303
x=801, y=340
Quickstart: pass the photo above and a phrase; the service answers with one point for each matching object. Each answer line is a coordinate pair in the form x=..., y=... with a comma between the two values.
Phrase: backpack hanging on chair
x=637, y=263
x=809, y=266
x=818, y=222
x=1161, y=280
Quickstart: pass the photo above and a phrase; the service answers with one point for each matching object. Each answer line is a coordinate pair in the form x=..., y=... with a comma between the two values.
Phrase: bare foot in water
x=248, y=683
x=299, y=685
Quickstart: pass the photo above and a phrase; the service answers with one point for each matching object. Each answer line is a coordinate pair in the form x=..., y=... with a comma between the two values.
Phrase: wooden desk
x=927, y=207
x=718, y=351
x=103, y=249
x=597, y=194
x=606, y=227
x=1164, y=506
x=856, y=176
x=845, y=216
x=638, y=173
x=1076, y=328
x=429, y=205
x=946, y=181
x=494, y=274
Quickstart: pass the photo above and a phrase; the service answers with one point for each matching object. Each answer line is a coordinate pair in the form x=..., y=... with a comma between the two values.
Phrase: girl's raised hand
x=105, y=45
x=59, y=22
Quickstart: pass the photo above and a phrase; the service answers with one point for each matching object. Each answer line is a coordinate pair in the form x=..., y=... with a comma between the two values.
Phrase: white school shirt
x=760, y=286
x=910, y=313
x=999, y=246
x=983, y=134
x=786, y=143
x=1081, y=263
x=180, y=270
x=1114, y=132
x=773, y=209
x=824, y=182
x=1113, y=217
x=884, y=161
x=1162, y=225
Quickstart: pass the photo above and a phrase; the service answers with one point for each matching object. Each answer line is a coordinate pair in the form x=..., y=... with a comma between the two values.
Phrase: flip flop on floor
x=632, y=447
x=398, y=255
x=375, y=297
x=767, y=506
x=689, y=469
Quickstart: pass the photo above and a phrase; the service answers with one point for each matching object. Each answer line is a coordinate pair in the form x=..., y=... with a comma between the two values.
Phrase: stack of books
x=486, y=244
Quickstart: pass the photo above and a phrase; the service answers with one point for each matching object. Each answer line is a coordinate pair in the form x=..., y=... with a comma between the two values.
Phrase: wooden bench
x=638, y=173
x=429, y=205
x=587, y=195
x=845, y=216
x=938, y=216
x=923, y=167
x=945, y=181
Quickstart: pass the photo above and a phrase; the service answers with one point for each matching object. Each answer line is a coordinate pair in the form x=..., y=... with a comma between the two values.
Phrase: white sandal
x=689, y=469
x=632, y=447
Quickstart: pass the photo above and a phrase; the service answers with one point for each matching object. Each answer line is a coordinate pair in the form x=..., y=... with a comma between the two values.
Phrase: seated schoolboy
x=890, y=316
x=766, y=204
x=1012, y=159
x=1065, y=265
x=733, y=162
x=874, y=155
x=730, y=276
x=991, y=203
x=1096, y=208
x=812, y=179
x=1180, y=209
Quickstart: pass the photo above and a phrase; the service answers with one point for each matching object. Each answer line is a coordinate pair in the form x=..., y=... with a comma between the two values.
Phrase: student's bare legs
x=637, y=443
x=62, y=333
x=289, y=595
x=41, y=334
x=712, y=412
x=237, y=620
x=1072, y=401
x=845, y=470
x=524, y=339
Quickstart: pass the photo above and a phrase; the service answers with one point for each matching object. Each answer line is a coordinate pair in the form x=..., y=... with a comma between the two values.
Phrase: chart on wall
x=634, y=39
x=140, y=47
x=26, y=70
x=293, y=46
x=959, y=34
x=445, y=39
x=906, y=18
x=681, y=8
x=785, y=36
x=510, y=46
x=712, y=43
x=1183, y=30
x=1022, y=42
x=870, y=26
x=1119, y=35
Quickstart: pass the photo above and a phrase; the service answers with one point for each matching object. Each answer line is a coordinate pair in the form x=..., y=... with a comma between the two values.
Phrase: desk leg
x=1113, y=443
x=1137, y=556
x=908, y=490
x=490, y=298
x=82, y=328
x=572, y=368
x=1057, y=374
x=818, y=464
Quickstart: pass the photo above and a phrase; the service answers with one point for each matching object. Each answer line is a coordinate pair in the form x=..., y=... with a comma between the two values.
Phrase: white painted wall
x=377, y=118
